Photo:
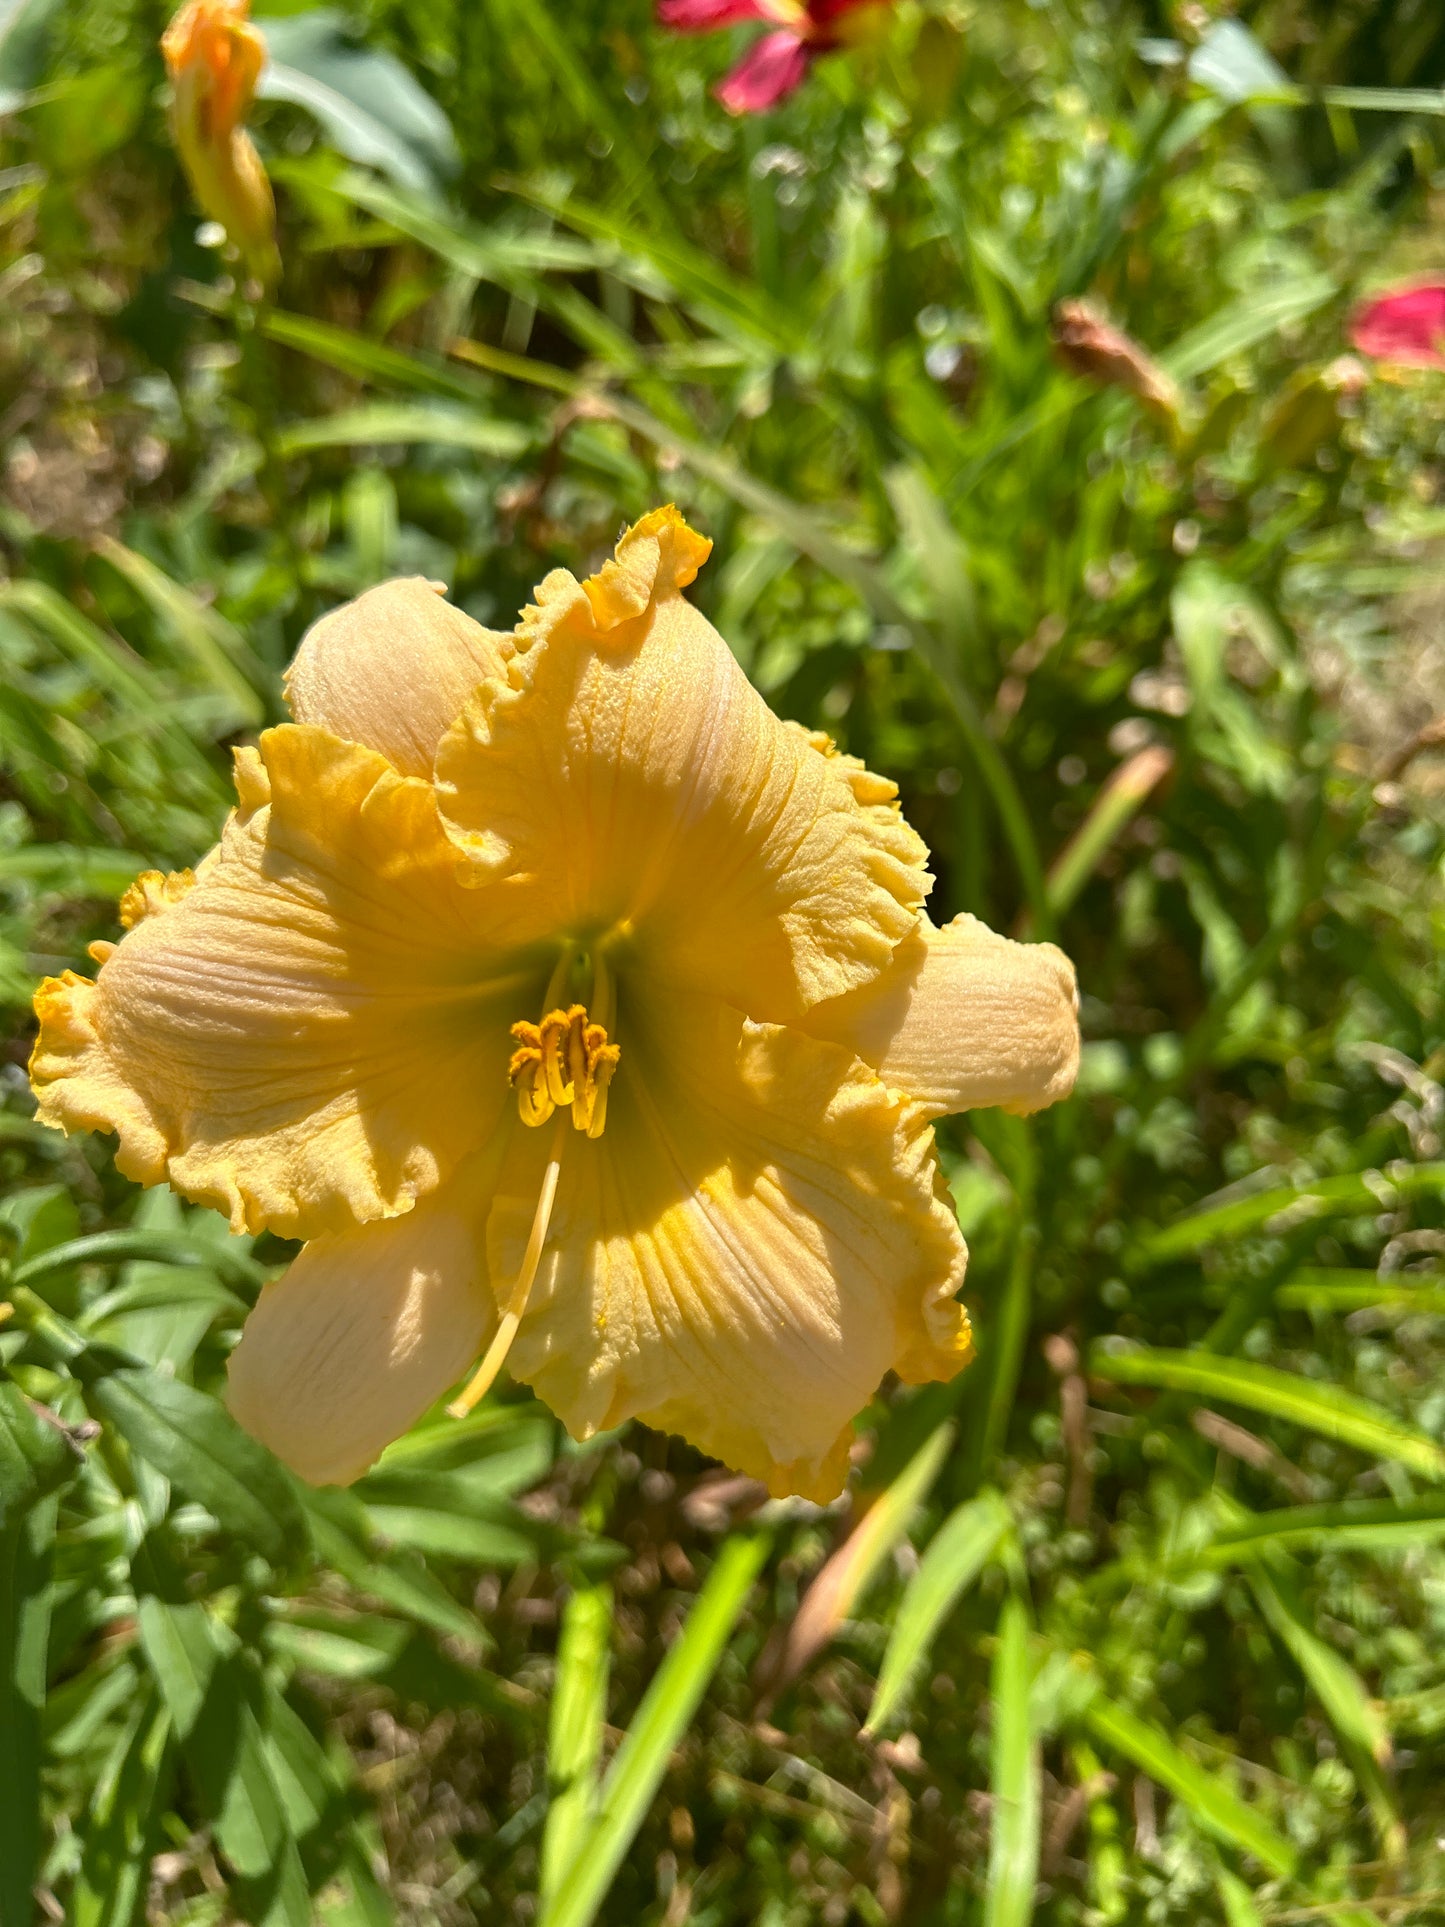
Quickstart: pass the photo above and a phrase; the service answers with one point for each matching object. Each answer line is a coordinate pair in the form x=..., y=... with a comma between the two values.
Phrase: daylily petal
x=705, y=16
x=771, y=69
x=964, y=1017
x=756, y=1240
x=316, y=1032
x=363, y=1333
x=393, y=670
x=626, y=779
x=1406, y=325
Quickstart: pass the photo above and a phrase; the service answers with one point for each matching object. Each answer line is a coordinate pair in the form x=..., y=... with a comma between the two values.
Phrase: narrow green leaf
x=506, y=1538
x=123, y=1823
x=1366, y=1525
x=200, y=1448
x=1013, y=1858
x=1356, y=1718
x=1216, y=1806
x=574, y=1732
x=1252, y=318
x=35, y=1456
x=846, y=1573
x=1321, y=1289
x=26, y=1547
x=182, y=1647
x=1236, y=1900
x=1113, y=810
x=402, y=422
x=667, y=1708
x=1322, y=1408
x=154, y=1243
x=217, y=651
x=956, y=1555
x=72, y=869
x=344, y=1541
x=1326, y=1197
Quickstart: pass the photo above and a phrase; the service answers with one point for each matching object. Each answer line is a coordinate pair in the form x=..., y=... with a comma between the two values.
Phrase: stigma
x=565, y=1060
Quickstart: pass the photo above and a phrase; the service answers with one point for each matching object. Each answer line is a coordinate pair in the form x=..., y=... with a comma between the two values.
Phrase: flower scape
x=575, y=1011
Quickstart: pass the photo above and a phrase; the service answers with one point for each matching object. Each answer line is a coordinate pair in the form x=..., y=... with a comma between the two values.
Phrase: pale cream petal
x=393, y=670
x=757, y=1238
x=364, y=1332
x=964, y=1017
x=316, y=1032
x=626, y=778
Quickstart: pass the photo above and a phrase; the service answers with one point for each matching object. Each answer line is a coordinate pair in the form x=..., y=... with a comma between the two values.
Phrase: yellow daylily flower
x=573, y=1009
x=214, y=58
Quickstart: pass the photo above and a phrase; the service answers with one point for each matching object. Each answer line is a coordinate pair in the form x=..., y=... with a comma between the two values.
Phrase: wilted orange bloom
x=1089, y=345
x=214, y=58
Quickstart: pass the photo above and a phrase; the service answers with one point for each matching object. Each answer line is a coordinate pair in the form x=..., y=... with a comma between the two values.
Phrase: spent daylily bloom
x=574, y=1010
x=777, y=64
x=1406, y=326
x=214, y=58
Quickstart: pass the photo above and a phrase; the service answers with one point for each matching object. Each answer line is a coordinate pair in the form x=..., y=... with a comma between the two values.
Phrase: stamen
x=481, y=1381
x=566, y=1061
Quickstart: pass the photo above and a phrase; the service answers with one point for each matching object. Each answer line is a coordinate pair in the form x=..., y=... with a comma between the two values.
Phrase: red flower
x=776, y=65
x=1407, y=325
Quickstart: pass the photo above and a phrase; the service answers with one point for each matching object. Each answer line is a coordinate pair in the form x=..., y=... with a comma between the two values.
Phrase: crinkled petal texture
x=365, y=1331
x=316, y=1032
x=627, y=779
x=755, y=1241
x=964, y=1017
x=393, y=670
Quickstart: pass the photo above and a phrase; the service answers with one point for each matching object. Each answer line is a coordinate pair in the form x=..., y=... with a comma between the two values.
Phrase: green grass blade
x=1364, y=1525
x=1327, y=1197
x=1236, y=1900
x=403, y=424
x=846, y=1573
x=1245, y=322
x=1218, y=1809
x=1013, y=1859
x=218, y=652
x=1339, y=1689
x=155, y=1243
x=641, y=1760
x=1323, y=1408
x=574, y=1732
x=26, y=1548
x=956, y=1555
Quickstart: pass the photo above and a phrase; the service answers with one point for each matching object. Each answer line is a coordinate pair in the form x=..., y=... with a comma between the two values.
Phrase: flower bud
x=214, y=58
x=1088, y=345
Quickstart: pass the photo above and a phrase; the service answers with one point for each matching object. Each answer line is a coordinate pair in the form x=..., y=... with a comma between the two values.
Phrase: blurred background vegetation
x=1142, y=1619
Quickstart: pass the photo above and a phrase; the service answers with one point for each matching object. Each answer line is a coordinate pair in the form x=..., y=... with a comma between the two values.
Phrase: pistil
x=482, y=1379
x=562, y=1065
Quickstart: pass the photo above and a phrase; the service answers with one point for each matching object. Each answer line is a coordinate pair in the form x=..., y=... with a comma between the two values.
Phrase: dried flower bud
x=1093, y=348
x=214, y=58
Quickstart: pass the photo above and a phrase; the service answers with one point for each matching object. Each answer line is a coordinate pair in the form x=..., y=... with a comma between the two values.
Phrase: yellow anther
x=528, y=1078
x=557, y=1030
x=564, y=1060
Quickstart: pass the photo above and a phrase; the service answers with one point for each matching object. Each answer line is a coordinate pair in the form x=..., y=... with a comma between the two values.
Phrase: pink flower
x=776, y=65
x=1407, y=325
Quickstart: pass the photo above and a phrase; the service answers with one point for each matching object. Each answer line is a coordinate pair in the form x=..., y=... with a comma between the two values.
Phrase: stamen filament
x=481, y=1381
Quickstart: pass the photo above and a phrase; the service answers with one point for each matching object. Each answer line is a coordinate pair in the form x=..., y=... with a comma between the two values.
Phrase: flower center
x=564, y=1062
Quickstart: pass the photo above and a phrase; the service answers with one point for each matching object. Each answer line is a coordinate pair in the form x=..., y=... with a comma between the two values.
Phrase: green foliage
x=1166, y=1622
